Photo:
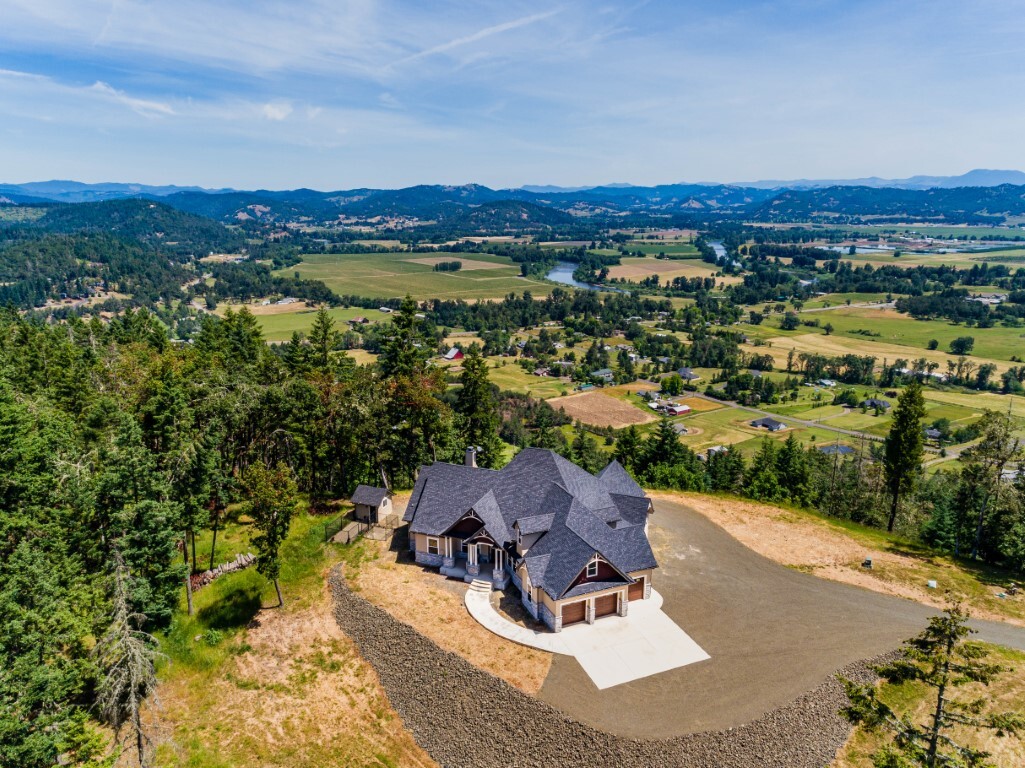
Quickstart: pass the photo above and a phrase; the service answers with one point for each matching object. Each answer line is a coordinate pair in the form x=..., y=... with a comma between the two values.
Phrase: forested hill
x=962, y=205
x=143, y=221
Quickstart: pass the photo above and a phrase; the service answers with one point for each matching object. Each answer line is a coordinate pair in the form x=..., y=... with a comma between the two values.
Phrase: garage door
x=637, y=590
x=603, y=606
x=573, y=613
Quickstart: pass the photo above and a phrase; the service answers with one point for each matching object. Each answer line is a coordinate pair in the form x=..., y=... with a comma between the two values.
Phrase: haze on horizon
x=334, y=95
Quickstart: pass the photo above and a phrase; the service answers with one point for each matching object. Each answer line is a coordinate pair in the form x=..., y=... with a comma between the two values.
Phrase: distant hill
x=980, y=177
x=507, y=215
x=143, y=221
x=959, y=205
x=79, y=192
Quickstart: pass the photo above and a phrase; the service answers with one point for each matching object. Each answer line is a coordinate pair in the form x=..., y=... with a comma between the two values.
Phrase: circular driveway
x=773, y=633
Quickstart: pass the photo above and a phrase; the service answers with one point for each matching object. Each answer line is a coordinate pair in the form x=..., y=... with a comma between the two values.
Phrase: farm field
x=602, y=410
x=819, y=343
x=636, y=268
x=393, y=275
x=668, y=247
x=998, y=343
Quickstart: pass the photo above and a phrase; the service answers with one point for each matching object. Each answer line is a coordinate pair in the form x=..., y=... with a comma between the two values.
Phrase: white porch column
x=471, y=554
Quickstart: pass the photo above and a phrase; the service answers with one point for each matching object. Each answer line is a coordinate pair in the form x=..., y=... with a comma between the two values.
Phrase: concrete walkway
x=613, y=650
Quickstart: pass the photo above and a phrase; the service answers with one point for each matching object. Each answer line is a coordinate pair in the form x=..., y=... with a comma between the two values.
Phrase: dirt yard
x=805, y=543
x=297, y=694
x=468, y=264
x=601, y=410
x=433, y=605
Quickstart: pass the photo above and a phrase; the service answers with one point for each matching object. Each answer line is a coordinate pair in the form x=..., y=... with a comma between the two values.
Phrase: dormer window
x=592, y=569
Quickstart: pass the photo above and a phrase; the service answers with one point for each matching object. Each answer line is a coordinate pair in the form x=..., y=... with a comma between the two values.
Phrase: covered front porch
x=479, y=558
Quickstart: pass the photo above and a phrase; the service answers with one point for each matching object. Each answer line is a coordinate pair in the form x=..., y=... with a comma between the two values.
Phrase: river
x=562, y=273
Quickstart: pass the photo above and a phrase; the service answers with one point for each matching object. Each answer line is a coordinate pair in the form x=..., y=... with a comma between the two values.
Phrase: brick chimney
x=471, y=456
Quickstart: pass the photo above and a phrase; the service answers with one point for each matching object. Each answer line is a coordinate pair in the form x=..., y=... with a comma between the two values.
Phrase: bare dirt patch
x=433, y=605
x=260, y=309
x=298, y=694
x=805, y=543
x=601, y=410
x=468, y=264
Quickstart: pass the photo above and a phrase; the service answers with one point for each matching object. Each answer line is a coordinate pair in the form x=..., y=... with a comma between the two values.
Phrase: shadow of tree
x=235, y=609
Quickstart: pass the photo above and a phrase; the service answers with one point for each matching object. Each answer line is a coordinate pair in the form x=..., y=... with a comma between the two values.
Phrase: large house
x=575, y=544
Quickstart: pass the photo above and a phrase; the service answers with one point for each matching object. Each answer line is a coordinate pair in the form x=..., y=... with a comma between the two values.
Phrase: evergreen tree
x=762, y=481
x=406, y=349
x=270, y=502
x=792, y=471
x=585, y=452
x=628, y=448
x=476, y=405
x=322, y=339
x=663, y=446
x=903, y=457
x=725, y=470
x=940, y=658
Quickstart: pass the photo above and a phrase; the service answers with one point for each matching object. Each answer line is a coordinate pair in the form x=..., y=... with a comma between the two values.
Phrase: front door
x=484, y=553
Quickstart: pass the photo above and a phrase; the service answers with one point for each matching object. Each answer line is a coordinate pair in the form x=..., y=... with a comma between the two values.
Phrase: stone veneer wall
x=467, y=718
x=426, y=558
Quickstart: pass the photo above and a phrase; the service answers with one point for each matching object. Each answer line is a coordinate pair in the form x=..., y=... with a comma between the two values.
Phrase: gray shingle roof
x=578, y=513
x=369, y=494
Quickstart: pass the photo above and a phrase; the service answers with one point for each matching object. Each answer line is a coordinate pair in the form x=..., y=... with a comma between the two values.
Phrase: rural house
x=372, y=504
x=687, y=374
x=770, y=424
x=875, y=402
x=575, y=544
x=605, y=374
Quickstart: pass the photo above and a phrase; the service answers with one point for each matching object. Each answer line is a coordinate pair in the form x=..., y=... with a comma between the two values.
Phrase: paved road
x=794, y=420
x=772, y=632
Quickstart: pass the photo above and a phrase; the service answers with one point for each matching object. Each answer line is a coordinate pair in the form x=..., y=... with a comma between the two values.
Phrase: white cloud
x=144, y=107
x=276, y=111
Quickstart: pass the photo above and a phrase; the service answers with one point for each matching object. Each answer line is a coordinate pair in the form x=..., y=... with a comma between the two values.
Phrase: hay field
x=635, y=268
x=602, y=410
x=819, y=343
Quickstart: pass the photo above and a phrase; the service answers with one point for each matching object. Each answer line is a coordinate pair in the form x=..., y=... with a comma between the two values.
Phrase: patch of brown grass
x=298, y=695
x=468, y=264
x=601, y=410
x=433, y=605
x=815, y=545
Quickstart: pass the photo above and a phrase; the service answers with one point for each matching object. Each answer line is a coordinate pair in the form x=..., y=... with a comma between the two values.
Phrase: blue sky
x=337, y=94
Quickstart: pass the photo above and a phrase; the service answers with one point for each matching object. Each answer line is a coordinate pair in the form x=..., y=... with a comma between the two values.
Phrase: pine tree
x=476, y=405
x=940, y=658
x=406, y=349
x=903, y=456
x=793, y=472
x=762, y=481
x=663, y=446
x=585, y=452
x=322, y=339
x=725, y=470
x=628, y=448
x=126, y=657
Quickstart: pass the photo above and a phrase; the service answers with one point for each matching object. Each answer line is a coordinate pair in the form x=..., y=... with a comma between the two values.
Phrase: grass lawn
x=280, y=327
x=390, y=275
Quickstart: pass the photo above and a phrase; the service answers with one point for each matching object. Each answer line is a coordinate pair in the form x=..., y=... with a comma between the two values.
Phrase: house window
x=592, y=569
x=433, y=546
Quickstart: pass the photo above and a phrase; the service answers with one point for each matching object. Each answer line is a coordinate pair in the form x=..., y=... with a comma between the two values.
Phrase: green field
x=670, y=248
x=280, y=327
x=391, y=275
x=997, y=343
x=928, y=230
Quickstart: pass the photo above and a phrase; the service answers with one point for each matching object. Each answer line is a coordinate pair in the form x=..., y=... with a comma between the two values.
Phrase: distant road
x=803, y=422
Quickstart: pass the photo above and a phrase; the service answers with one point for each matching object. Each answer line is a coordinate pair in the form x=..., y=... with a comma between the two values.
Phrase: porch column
x=471, y=554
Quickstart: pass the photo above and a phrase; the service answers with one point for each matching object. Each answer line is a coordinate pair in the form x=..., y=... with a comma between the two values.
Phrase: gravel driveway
x=773, y=633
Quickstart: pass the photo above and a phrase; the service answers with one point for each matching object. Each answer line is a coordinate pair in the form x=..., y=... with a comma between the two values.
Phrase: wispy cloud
x=144, y=107
x=481, y=34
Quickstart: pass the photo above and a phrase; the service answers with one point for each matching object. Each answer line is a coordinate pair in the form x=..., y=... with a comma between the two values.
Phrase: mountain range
x=977, y=197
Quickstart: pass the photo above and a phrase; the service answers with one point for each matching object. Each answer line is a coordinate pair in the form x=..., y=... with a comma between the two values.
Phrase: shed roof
x=370, y=495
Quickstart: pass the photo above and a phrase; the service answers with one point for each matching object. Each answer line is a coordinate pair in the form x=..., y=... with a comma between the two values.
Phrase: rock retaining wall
x=467, y=718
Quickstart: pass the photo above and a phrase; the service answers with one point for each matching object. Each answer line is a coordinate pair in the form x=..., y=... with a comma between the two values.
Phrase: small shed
x=454, y=354
x=372, y=504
